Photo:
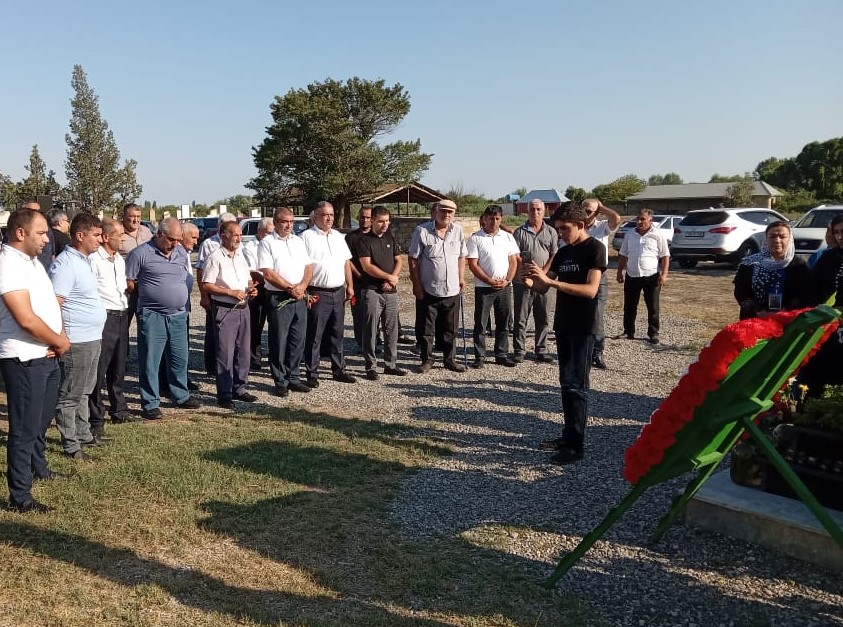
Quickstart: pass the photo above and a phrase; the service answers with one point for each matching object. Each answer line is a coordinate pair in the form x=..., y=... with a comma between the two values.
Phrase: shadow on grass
x=191, y=588
x=337, y=530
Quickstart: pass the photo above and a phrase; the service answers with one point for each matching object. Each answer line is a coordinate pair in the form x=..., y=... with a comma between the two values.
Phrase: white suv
x=809, y=230
x=720, y=234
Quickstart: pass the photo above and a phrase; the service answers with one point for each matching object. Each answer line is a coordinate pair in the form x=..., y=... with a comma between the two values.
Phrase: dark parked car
x=208, y=227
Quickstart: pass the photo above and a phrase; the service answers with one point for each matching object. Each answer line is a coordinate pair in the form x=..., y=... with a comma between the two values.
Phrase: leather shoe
x=395, y=372
x=477, y=364
x=598, y=363
x=52, y=476
x=654, y=340
x=372, y=375
x=125, y=417
x=30, y=507
x=566, y=455
x=283, y=392
x=97, y=441
x=246, y=397
x=518, y=358
x=296, y=386
x=454, y=367
x=79, y=456
x=552, y=445
x=544, y=358
x=226, y=403
x=312, y=383
x=425, y=367
x=505, y=361
x=344, y=377
x=190, y=403
x=152, y=414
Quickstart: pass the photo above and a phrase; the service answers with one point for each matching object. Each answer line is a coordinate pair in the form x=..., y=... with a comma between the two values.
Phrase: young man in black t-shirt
x=575, y=274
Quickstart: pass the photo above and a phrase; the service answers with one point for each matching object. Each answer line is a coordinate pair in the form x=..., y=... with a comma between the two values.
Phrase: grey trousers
x=232, y=337
x=78, y=378
x=381, y=310
x=527, y=302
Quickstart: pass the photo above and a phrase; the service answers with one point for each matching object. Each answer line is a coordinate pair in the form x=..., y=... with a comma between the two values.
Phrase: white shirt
x=643, y=252
x=20, y=272
x=250, y=252
x=492, y=253
x=287, y=257
x=226, y=269
x=329, y=254
x=601, y=231
x=111, y=279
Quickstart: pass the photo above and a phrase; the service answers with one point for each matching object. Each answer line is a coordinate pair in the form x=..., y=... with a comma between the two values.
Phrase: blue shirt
x=161, y=283
x=74, y=280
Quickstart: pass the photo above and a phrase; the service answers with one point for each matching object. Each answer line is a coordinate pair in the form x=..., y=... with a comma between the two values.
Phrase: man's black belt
x=117, y=313
x=327, y=289
x=219, y=303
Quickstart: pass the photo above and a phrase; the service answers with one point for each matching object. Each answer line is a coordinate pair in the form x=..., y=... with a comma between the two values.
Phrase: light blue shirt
x=83, y=311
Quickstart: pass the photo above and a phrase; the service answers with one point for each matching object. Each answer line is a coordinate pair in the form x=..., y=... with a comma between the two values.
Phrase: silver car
x=666, y=223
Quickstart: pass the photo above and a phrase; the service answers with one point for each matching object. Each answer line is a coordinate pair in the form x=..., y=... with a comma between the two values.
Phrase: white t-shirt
x=643, y=252
x=111, y=279
x=287, y=257
x=226, y=270
x=492, y=253
x=601, y=231
x=329, y=254
x=20, y=272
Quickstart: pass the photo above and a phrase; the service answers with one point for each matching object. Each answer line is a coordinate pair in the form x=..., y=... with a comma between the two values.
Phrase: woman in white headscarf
x=774, y=279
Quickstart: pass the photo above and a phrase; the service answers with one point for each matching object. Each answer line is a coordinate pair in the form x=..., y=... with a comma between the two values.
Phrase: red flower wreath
x=702, y=377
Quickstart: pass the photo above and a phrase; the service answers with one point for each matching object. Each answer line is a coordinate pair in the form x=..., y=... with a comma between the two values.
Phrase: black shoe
x=544, y=358
x=624, y=336
x=256, y=366
x=552, y=445
x=125, y=417
x=598, y=363
x=296, y=386
x=505, y=361
x=284, y=392
x=566, y=455
x=478, y=364
x=654, y=340
x=193, y=387
x=394, y=372
x=97, y=441
x=152, y=414
x=454, y=367
x=403, y=339
x=312, y=383
x=425, y=367
x=52, y=476
x=518, y=359
x=79, y=456
x=190, y=403
x=344, y=377
x=246, y=397
x=226, y=403
x=30, y=507
x=372, y=375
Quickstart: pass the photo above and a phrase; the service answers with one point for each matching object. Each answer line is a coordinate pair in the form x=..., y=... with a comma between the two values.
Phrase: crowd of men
x=65, y=317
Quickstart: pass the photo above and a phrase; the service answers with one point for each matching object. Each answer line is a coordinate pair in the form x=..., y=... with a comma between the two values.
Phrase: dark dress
x=754, y=284
x=826, y=367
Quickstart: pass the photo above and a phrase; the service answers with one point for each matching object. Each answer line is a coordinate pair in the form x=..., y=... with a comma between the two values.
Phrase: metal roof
x=545, y=195
x=698, y=190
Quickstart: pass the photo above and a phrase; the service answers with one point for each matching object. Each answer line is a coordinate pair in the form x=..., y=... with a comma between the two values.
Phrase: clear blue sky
x=505, y=94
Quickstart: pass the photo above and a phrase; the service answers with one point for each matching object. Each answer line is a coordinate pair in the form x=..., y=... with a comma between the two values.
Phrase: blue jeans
x=158, y=334
x=574, y=353
x=32, y=388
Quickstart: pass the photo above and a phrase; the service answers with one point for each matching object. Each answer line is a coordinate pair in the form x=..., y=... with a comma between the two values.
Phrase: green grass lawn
x=269, y=518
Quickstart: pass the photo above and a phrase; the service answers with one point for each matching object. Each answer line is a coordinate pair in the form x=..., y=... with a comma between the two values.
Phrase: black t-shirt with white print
x=576, y=315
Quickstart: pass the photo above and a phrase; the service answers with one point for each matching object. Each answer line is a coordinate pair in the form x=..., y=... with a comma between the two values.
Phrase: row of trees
x=96, y=179
x=814, y=175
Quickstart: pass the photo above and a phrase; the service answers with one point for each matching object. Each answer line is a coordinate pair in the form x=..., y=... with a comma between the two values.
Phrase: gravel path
x=497, y=490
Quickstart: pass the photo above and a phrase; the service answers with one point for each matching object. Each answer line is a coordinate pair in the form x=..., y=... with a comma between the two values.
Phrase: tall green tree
x=127, y=189
x=616, y=192
x=577, y=194
x=322, y=144
x=8, y=192
x=739, y=194
x=719, y=178
x=93, y=170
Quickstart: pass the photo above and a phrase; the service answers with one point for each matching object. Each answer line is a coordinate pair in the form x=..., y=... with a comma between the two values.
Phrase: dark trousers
x=325, y=320
x=257, y=320
x=287, y=329
x=600, y=336
x=528, y=302
x=231, y=337
x=111, y=369
x=632, y=288
x=487, y=300
x=209, y=346
x=433, y=311
x=574, y=352
x=358, y=314
x=32, y=389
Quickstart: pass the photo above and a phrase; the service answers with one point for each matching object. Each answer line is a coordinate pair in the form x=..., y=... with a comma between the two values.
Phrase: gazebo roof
x=413, y=192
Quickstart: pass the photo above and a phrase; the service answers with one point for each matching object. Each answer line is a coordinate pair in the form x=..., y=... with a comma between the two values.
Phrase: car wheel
x=687, y=264
x=749, y=247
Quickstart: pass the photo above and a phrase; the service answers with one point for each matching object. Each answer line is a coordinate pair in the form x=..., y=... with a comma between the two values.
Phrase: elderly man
x=257, y=305
x=110, y=271
x=209, y=246
x=332, y=282
x=226, y=279
x=493, y=259
x=437, y=269
x=83, y=312
x=380, y=260
x=537, y=242
x=601, y=230
x=643, y=263
x=31, y=337
x=287, y=269
x=60, y=226
x=157, y=270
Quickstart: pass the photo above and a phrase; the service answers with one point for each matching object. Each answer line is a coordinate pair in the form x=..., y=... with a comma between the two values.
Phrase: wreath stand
x=753, y=378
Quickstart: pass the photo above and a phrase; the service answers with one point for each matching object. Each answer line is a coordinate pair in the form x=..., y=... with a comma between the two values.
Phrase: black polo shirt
x=381, y=251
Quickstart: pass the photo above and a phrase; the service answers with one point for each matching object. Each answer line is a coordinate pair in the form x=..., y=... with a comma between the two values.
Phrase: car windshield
x=704, y=218
x=817, y=219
